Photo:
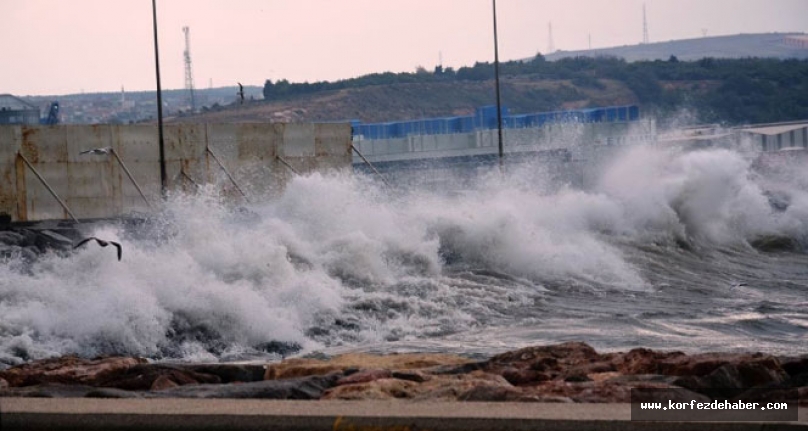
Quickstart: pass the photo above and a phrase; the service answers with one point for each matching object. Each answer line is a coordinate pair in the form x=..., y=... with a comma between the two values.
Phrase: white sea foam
x=335, y=260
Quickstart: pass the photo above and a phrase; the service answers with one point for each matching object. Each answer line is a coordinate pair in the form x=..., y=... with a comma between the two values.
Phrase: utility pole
x=163, y=176
x=496, y=83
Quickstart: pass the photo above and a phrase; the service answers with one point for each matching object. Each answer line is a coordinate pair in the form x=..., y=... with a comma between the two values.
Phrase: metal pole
x=496, y=80
x=45, y=183
x=285, y=163
x=226, y=172
x=163, y=175
x=371, y=165
x=131, y=178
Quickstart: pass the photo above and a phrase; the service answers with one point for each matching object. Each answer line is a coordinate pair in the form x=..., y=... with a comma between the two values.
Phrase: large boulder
x=298, y=367
x=68, y=370
x=306, y=388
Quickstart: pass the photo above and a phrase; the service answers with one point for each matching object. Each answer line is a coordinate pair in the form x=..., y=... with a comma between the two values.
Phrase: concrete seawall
x=97, y=185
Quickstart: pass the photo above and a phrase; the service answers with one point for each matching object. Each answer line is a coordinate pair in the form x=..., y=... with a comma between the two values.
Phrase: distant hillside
x=731, y=91
x=769, y=45
x=400, y=101
x=767, y=82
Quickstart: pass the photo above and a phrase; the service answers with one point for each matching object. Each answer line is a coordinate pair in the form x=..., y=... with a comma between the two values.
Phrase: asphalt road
x=231, y=414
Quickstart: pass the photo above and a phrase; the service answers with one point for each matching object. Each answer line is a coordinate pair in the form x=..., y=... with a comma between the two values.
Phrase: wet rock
x=365, y=376
x=794, y=365
x=143, y=377
x=11, y=238
x=533, y=365
x=381, y=389
x=775, y=243
x=441, y=387
x=70, y=370
x=298, y=367
x=48, y=239
x=47, y=390
x=521, y=377
x=229, y=373
x=280, y=347
x=642, y=361
x=458, y=369
x=450, y=387
x=163, y=382
x=605, y=391
x=492, y=393
x=307, y=388
x=28, y=238
x=568, y=354
x=410, y=375
x=754, y=368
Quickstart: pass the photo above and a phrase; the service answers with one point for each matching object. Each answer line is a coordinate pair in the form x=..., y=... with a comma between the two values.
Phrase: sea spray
x=646, y=257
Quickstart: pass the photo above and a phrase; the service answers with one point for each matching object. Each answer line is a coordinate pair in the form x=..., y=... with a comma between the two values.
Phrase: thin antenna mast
x=189, y=77
x=644, y=25
x=550, y=44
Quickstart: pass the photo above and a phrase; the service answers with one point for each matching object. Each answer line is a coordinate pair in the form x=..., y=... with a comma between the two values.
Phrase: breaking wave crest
x=337, y=260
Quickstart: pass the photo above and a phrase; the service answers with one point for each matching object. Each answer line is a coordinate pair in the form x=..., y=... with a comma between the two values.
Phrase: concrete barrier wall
x=577, y=136
x=96, y=185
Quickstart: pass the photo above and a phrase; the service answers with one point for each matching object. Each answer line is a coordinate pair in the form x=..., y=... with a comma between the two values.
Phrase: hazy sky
x=69, y=46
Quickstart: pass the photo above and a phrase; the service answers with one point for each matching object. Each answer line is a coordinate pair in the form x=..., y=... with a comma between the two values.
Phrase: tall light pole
x=496, y=81
x=163, y=180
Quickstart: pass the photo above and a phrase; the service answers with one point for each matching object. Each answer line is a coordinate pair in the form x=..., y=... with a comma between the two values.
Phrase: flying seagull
x=102, y=243
x=105, y=150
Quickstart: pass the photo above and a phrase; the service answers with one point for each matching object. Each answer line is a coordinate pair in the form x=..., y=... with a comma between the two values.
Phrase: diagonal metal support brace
x=226, y=172
x=45, y=183
x=370, y=164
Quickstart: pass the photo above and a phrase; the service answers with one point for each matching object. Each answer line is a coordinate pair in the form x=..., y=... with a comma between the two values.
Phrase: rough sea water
x=694, y=251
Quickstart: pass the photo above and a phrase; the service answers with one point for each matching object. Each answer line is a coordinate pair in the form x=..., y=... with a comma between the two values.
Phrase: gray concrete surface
x=96, y=185
x=184, y=414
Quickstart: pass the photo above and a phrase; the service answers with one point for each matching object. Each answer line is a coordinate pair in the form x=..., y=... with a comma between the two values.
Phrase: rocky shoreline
x=563, y=373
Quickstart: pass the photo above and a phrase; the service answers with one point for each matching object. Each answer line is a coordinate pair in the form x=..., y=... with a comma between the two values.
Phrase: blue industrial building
x=485, y=118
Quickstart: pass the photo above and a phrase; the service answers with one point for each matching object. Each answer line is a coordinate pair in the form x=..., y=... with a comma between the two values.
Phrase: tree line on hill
x=730, y=91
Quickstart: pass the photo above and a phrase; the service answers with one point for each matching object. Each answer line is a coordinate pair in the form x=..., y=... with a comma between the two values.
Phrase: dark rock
x=410, y=375
x=571, y=353
x=544, y=364
x=794, y=365
x=745, y=375
x=11, y=238
x=642, y=361
x=280, y=347
x=28, y=238
x=491, y=393
x=47, y=390
x=48, y=239
x=229, y=373
x=142, y=377
x=646, y=378
x=521, y=377
x=457, y=369
x=68, y=370
x=577, y=377
x=774, y=243
x=5, y=219
x=307, y=388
